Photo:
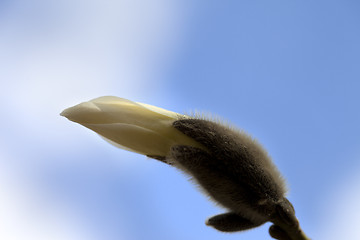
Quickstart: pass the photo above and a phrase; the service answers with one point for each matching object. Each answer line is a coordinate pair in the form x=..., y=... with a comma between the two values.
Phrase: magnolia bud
x=231, y=167
x=133, y=126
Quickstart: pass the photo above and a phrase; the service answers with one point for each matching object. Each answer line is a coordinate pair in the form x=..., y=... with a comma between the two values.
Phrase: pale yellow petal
x=134, y=138
x=137, y=127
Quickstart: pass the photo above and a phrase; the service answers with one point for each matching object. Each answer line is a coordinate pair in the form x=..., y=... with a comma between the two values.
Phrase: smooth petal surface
x=137, y=127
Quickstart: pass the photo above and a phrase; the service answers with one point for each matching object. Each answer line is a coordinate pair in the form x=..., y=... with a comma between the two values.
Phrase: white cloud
x=56, y=54
x=341, y=211
x=28, y=214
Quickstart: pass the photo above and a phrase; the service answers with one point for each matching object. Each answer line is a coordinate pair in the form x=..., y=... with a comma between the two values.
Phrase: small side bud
x=231, y=222
x=278, y=233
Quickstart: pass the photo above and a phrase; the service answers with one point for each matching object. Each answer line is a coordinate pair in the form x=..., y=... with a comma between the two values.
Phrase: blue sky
x=286, y=72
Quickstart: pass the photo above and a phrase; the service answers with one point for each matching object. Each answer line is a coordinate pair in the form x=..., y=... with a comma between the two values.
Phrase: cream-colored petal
x=123, y=101
x=113, y=109
x=132, y=137
x=137, y=127
x=83, y=113
x=162, y=111
x=116, y=144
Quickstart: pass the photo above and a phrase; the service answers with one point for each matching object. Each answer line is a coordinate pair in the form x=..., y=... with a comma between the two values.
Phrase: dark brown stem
x=285, y=232
x=286, y=226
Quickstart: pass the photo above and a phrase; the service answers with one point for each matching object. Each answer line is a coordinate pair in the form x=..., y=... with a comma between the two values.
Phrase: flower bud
x=133, y=126
x=229, y=165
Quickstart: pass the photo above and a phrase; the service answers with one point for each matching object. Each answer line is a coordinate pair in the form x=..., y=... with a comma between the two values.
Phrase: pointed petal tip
x=64, y=113
x=81, y=112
